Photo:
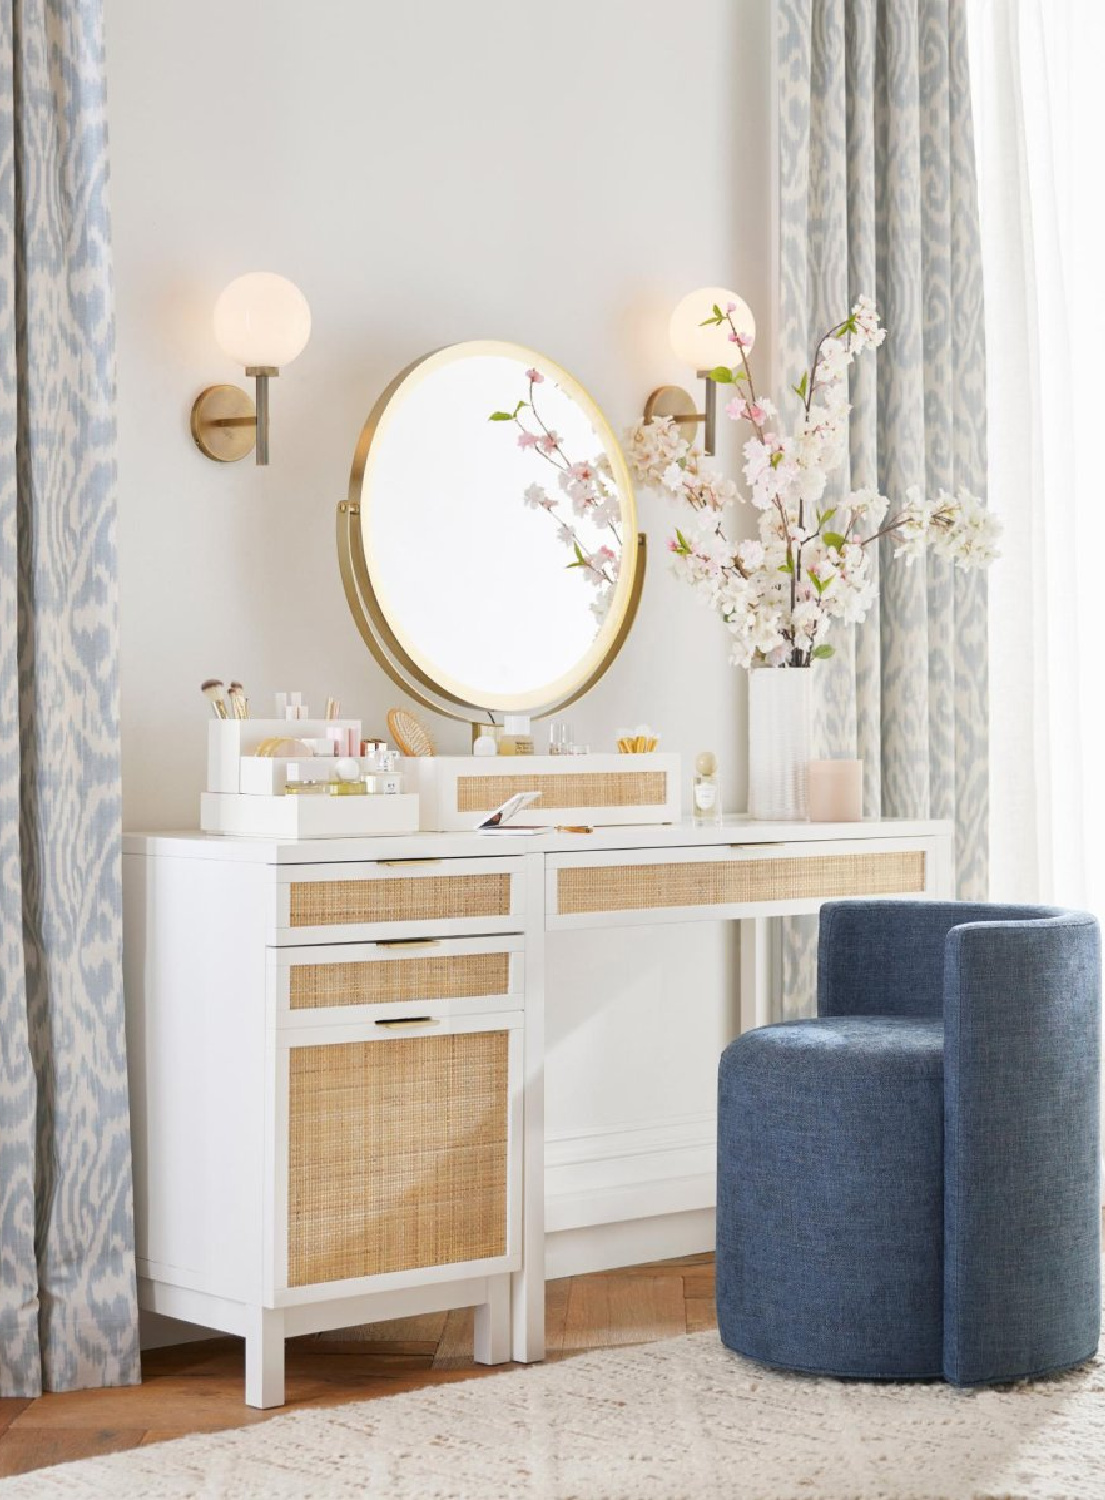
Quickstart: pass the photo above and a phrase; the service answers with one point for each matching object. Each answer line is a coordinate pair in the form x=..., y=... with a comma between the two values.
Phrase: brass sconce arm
x=675, y=402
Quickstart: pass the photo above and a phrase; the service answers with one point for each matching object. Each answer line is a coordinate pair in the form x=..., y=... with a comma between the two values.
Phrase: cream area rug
x=681, y=1419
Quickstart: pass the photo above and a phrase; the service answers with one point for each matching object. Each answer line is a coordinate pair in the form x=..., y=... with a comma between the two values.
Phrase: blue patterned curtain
x=68, y=1315
x=878, y=195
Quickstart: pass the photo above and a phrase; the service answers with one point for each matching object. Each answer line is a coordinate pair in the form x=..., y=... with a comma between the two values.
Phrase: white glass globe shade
x=262, y=319
x=703, y=348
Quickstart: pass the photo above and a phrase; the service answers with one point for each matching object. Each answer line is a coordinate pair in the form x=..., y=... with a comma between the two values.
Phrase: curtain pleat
x=878, y=196
x=68, y=1313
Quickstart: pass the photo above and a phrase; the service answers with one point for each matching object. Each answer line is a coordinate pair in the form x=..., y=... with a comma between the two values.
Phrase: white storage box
x=310, y=816
x=596, y=790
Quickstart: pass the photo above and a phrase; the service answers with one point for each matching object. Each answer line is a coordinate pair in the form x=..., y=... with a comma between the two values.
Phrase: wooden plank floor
x=198, y=1387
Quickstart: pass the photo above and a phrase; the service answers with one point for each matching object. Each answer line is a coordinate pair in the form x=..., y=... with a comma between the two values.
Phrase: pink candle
x=835, y=791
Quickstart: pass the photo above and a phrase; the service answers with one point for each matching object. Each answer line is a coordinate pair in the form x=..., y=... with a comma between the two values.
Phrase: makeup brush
x=238, y=701
x=212, y=690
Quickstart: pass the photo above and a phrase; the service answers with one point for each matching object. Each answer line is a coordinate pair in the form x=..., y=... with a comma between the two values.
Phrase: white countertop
x=191, y=844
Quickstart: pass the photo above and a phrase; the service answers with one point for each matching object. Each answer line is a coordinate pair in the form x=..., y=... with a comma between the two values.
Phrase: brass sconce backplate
x=673, y=401
x=224, y=423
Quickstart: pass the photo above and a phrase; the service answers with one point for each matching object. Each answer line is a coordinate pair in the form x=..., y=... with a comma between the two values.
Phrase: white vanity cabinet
x=326, y=1090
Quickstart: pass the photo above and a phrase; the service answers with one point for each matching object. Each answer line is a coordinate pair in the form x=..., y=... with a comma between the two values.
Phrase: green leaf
x=800, y=388
x=787, y=567
x=518, y=408
x=501, y=416
x=833, y=539
x=722, y=374
x=825, y=515
x=818, y=585
x=820, y=653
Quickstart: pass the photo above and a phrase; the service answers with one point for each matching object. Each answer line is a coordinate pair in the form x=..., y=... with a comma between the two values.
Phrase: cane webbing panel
x=393, y=981
x=566, y=789
x=583, y=888
x=423, y=898
x=397, y=1155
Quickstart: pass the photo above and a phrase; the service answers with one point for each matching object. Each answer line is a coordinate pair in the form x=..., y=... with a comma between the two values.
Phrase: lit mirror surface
x=495, y=514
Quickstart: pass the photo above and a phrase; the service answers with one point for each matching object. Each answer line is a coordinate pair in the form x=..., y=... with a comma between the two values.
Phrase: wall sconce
x=262, y=322
x=703, y=349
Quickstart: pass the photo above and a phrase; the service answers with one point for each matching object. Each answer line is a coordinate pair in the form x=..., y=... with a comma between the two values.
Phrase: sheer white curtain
x=1037, y=68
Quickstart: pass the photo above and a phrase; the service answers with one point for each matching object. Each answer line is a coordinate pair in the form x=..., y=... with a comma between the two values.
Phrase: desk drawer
x=680, y=883
x=399, y=898
x=318, y=985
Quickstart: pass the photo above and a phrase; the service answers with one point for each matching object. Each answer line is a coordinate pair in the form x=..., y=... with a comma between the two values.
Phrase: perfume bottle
x=516, y=738
x=705, y=791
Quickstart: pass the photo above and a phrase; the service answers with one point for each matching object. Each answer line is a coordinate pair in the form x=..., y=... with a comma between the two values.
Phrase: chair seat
x=830, y=1196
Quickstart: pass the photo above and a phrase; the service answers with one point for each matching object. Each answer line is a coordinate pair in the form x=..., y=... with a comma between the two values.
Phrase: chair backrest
x=1022, y=1217
x=886, y=958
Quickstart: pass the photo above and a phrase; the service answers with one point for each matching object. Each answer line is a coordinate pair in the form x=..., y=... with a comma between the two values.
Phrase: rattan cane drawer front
x=460, y=975
x=585, y=889
x=397, y=1155
x=566, y=789
x=434, y=897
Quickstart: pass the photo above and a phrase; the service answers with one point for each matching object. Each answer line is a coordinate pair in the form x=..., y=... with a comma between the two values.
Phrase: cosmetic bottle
x=516, y=738
x=485, y=742
x=296, y=784
x=706, y=793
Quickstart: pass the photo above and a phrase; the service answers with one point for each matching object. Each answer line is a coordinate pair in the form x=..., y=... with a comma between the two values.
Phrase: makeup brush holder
x=597, y=791
x=246, y=790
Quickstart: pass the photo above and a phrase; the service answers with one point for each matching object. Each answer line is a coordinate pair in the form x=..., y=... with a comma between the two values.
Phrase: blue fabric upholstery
x=830, y=1220
x=908, y=1185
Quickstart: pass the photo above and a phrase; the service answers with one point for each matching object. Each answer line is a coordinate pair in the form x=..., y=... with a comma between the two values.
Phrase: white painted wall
x=427, y=172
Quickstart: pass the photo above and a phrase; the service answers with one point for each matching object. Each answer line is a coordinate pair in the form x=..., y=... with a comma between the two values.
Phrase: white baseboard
x=630, y=1172
x=155, y=1331
x=602, y=1247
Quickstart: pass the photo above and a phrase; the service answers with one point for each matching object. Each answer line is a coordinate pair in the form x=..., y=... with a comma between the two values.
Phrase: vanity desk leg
x=528, y=1284
x=491, y=1344
x=755, y=972
x=264, y=1357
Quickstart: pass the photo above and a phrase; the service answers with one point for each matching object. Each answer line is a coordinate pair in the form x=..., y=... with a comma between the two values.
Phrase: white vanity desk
x=336, y=1051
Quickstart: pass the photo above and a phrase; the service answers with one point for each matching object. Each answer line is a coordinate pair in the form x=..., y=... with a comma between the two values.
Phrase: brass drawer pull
x=402, y=1022
x=403, y=864
x=398, y=943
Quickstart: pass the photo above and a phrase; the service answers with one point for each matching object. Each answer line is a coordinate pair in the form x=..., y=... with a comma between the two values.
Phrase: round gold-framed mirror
x=488, y=546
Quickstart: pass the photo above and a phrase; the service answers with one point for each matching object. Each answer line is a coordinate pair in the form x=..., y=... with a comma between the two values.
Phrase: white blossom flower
x=652, y=446
x=672, y=478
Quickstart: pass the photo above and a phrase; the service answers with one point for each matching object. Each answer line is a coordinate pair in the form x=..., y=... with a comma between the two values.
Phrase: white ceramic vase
x=778, y=743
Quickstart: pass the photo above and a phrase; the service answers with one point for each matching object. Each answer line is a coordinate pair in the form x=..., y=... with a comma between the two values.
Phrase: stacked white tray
x=242, y=795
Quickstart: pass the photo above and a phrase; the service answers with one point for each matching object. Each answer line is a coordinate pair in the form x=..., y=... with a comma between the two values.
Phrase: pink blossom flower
x=742, y=340
x=742, y=410
x=534, y=377
x=527, y=440
x=730, y=307
x=583, y=471
x=549, y=443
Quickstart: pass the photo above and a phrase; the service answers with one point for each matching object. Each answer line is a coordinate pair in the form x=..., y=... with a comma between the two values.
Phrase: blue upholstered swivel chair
x=908, y=1185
